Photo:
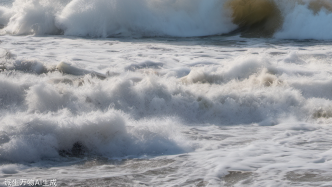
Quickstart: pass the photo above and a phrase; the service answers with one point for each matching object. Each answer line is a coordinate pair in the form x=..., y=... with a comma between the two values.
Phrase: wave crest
x=182, y=18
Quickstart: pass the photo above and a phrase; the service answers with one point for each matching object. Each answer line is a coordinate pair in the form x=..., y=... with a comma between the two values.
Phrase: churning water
x=166, y=92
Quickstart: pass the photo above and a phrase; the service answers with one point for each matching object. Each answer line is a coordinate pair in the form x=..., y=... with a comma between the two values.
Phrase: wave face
x=102, y=18
x=292, y=19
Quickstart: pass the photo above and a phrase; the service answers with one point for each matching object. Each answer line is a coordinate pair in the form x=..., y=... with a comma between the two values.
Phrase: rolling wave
x=292, y=19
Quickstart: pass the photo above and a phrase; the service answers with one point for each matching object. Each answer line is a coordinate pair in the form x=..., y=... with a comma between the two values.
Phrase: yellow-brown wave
x=262, y=18
x=256, y=17
x=317, y=5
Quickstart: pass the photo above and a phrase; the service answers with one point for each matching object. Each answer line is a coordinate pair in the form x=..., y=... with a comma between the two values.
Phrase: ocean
x=165, y=93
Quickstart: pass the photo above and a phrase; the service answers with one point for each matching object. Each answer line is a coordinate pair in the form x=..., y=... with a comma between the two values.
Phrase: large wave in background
x=291, y=19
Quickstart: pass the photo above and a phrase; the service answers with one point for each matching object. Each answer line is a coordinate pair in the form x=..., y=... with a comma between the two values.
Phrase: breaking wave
x=291, y=19
x=47, y=111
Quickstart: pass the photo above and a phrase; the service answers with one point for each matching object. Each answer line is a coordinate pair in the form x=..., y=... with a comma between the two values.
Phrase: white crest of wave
x=36, y=136
x=304, y=23
x=102, y=18
x=182, y=18
x=32, y=17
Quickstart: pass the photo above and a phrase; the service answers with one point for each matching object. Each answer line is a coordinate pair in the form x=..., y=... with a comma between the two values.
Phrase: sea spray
x=103, y=18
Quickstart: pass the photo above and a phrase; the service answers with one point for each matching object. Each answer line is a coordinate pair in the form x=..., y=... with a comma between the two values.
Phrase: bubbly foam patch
x=169, y=112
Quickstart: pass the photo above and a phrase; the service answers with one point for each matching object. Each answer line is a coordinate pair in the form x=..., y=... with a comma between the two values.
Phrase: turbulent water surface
x=166, y=92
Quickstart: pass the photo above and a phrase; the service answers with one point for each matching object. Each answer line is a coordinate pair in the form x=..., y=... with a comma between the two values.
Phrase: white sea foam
x=106, y=18
x=57, y=101
x=303, y=23
x=102, y=18
x=34, y=137
x=162, y=111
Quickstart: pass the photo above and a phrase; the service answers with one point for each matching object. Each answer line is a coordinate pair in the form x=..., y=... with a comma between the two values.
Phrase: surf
x=294, y=19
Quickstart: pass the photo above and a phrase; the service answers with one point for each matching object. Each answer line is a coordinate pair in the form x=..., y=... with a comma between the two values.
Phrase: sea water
x=166, y=93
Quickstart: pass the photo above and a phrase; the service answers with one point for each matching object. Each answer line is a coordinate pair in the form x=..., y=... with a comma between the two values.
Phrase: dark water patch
x=310, y=175
x=234, y=177
x=277, y=53
x=144, y=65
x=195, y=182
x=78, y=150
